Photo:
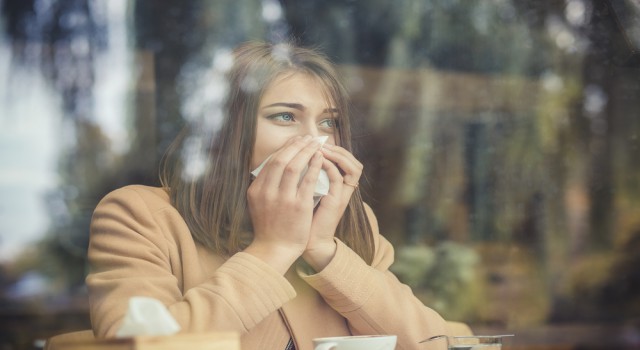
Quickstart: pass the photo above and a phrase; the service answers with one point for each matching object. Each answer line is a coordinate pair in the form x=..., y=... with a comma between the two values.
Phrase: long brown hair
x=214, y=203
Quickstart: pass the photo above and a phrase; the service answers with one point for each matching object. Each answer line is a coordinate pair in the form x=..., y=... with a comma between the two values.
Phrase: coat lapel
x=308, y=316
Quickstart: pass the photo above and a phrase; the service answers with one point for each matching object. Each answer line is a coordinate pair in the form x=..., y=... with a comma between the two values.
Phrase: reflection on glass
x=499, y=140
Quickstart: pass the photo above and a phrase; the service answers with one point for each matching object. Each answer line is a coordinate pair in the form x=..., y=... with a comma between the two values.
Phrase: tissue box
x=195, y=341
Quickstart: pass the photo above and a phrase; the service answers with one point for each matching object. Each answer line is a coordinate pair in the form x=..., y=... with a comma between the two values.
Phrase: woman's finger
x=351, y=168
x=272, y=172
x=294, y=169
x=336, y=180
x=310, y=178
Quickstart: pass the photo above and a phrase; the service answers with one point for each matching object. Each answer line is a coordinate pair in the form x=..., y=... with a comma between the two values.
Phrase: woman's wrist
x=319, y=256
x=280, y=257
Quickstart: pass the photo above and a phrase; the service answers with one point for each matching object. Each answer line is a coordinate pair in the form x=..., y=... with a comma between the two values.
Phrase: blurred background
x=501, y=143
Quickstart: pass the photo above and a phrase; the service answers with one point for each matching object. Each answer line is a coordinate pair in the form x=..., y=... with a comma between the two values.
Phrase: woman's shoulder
x=371, y=216
x=155, y=198
x=384, y=251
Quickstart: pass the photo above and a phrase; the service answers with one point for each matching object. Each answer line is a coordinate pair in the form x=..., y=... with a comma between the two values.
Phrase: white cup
x=356, y=342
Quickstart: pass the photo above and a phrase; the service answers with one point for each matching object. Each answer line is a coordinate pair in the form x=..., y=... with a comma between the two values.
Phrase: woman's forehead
x=290, y=84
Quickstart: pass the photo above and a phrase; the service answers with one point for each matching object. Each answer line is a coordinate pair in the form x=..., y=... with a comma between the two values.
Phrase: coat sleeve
x=130, y=255
x=372, y=299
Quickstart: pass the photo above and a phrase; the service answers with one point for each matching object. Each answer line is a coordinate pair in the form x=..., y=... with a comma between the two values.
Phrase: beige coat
x=141, y=246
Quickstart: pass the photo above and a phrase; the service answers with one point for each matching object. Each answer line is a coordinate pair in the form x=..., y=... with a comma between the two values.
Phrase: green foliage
x=444, y=276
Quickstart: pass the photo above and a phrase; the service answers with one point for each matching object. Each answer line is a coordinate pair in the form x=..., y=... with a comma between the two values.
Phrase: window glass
x=500, y=139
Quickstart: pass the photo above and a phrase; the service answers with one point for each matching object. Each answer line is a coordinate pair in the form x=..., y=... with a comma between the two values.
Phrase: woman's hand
x=344, y=172
x=281, y=204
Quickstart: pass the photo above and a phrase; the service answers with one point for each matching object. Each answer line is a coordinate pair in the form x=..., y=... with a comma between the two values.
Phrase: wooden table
x=198, y=341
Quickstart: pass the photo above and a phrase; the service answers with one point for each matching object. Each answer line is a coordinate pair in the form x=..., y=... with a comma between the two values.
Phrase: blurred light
x=31, y=284
x=564, y=39
x=204, y=98
x=271, y=11
x=249, y=84
x=552, y=82
x=576, y=12
x=80, y=46
x=223, y=59
x=194, y=160
x=281, y=53
x=115, y=74
x=482, y=17
x=561, y=34
x=595, y=99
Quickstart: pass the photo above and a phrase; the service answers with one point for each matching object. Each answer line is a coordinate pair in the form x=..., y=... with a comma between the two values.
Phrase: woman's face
x=292, y=105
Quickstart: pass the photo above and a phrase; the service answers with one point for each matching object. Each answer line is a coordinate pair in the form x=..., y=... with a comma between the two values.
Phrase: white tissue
x=147, y=316
x=322, y=185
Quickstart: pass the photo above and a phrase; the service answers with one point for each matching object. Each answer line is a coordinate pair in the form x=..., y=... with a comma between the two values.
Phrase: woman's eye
x=329, y=123
x=282, y=117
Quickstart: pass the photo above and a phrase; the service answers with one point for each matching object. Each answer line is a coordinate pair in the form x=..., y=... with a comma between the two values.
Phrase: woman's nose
x=311, y=130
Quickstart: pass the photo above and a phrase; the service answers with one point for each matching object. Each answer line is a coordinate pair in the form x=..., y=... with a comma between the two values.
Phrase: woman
x=229, y=252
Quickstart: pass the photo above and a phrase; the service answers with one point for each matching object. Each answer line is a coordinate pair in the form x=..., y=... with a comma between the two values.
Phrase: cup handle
x=326, y=346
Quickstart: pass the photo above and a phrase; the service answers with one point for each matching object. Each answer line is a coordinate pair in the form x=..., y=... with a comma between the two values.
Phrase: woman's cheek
x=265, y=147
